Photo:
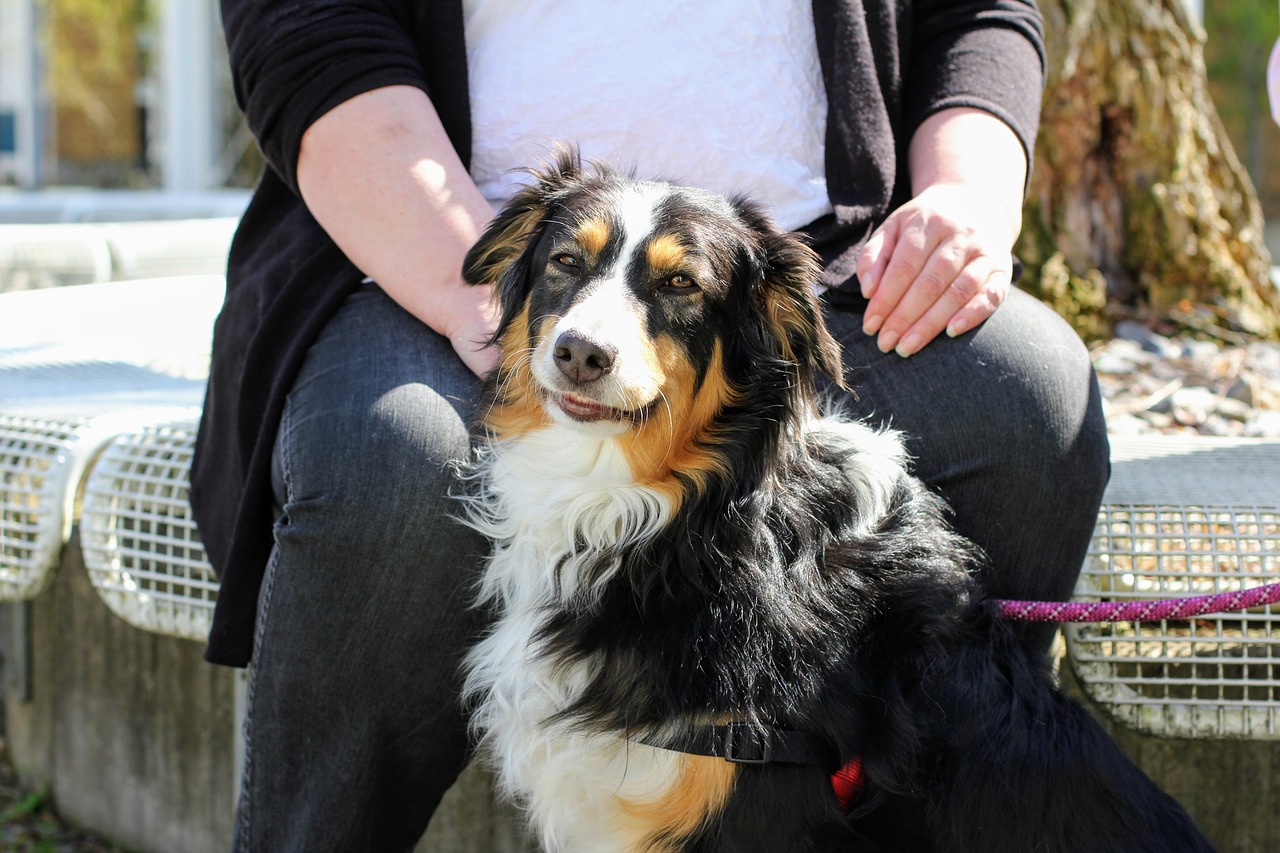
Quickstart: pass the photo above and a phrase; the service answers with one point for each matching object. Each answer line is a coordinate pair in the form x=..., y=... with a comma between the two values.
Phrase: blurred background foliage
x=1240, y=35
x=97, y=57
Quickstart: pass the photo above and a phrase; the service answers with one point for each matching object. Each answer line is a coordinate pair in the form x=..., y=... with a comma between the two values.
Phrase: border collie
x=708, y=596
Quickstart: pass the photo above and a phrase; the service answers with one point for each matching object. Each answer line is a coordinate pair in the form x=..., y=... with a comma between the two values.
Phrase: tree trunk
x=1138, y=205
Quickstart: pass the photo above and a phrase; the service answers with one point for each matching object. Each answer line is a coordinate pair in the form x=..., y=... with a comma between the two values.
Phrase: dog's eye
x=569, y=261
x=680, y=281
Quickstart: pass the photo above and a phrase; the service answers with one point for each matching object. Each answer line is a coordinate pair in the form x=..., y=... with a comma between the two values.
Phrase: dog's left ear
x=506, y=237
x=788, y=304
x=496, y=256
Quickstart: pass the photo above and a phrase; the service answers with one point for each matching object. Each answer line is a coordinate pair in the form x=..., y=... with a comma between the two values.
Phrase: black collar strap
x=743, y=743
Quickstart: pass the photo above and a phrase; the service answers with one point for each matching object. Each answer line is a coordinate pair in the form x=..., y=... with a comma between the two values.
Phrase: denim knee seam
x=244, y=818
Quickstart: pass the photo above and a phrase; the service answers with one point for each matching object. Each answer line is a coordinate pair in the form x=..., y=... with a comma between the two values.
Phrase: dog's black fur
x=762, y=602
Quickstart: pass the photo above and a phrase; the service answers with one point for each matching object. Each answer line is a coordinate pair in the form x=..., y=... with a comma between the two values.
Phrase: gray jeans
x=354, y=731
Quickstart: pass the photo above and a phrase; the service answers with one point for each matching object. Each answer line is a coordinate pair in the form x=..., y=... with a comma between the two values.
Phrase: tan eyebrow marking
x=593, y=235
x=665, y=252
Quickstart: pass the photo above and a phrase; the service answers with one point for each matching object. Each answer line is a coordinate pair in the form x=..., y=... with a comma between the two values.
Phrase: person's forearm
x=974, y=148
x=381, y=177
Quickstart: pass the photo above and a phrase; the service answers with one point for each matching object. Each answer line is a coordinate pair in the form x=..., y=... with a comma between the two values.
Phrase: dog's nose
x=581, y=359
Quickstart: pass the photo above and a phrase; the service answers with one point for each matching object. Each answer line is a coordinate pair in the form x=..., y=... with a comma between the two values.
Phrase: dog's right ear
x=517, y=226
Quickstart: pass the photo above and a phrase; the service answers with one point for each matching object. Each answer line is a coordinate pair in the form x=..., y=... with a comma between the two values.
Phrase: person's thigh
x=355, y=729
x=1006, y=423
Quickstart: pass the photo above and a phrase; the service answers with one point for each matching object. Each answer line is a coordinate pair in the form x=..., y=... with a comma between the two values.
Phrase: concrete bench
x=113, y=721
x=34, y=256
x=1197, y=702
x=79, y=365
x=96, y=431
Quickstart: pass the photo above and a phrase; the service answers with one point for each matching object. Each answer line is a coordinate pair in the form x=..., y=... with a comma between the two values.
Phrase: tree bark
x=1138, y=204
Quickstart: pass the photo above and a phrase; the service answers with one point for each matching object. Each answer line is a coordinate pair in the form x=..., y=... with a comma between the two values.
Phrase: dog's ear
x=496, y=256
x=786, y=300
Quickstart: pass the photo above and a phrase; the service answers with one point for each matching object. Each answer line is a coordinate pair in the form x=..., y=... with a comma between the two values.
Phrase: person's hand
x=472, y=319
x=942, y=261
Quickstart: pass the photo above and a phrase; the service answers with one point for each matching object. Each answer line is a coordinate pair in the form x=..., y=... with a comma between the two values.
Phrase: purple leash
x=1137, y=611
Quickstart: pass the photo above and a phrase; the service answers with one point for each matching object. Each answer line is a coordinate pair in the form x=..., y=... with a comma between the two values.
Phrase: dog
x=709, y=596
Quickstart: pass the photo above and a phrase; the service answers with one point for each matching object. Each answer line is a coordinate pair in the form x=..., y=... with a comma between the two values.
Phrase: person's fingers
x=982, y=306
x=939, y=262
x=875, y=256
x=971, y=298
x=477, y=354
x=912, y=246
x=936, y=281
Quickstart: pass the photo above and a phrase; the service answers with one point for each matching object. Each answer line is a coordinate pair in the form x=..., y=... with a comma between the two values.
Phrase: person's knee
x=374, y=421
x=1060, y=411
x=394, y=456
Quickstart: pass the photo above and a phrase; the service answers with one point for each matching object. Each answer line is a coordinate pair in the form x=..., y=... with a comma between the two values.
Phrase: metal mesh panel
x=156, y=249
x=34, y=482
x=1214, y=676
x=140, y=543
x=37, y=256
x=79, y=366
x=155, y=334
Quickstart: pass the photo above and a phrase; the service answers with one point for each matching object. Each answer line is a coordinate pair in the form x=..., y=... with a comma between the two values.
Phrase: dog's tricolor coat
x=682, y=541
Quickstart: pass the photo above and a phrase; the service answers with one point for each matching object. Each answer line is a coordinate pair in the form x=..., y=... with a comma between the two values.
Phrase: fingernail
x=910, y=345
x=959, y=327
x=867, y=287
x=887, y=341
x=871, y=325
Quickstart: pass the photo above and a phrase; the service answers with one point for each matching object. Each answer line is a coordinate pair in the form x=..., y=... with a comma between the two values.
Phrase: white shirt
x=720, y=94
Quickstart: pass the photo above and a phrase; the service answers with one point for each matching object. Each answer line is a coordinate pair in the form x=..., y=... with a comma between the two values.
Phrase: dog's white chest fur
x=550, y=502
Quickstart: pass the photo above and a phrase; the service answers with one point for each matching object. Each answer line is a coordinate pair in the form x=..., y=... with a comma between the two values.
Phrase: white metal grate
x=37, y=256
x=35, y=481
x=141, y=250
x=140, y=544
x=1185, y=518
x=78, y=366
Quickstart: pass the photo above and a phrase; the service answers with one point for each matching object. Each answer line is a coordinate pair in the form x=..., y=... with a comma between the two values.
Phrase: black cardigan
x=886, y=64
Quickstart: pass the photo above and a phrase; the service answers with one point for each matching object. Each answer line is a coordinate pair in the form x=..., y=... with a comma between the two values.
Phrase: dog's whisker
x=507, y=371
x=671, y=422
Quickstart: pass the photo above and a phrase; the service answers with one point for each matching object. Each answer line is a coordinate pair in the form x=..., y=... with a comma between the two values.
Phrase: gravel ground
x=1157, y=383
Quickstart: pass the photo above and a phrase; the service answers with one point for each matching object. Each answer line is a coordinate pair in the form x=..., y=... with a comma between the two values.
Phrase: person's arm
x=380, y=175
x=334, y=92
x=943, y=261
x=975, y=75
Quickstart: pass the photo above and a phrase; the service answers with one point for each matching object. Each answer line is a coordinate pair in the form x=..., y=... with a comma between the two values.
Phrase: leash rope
x=1137, y=611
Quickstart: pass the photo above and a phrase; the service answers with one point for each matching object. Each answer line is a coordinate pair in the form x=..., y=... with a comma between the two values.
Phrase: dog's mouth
x=586, y=410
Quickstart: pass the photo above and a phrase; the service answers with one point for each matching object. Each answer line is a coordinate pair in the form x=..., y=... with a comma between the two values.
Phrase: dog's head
x=673, y=319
